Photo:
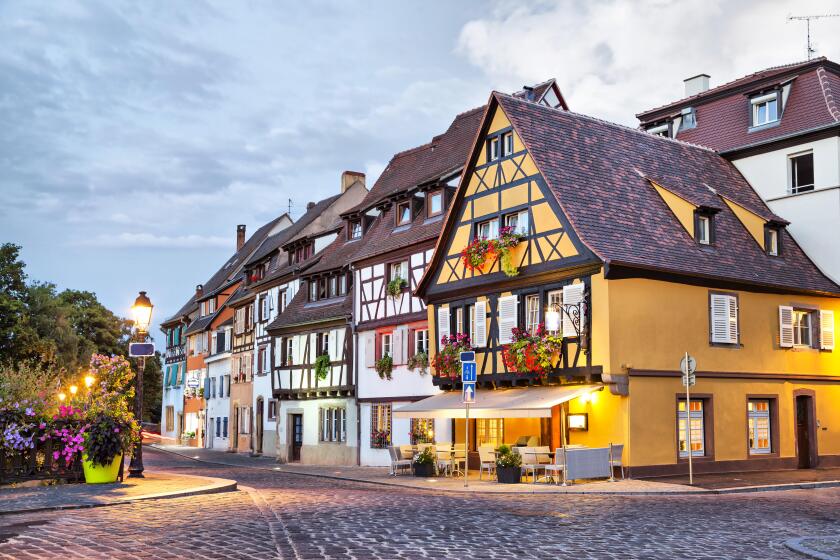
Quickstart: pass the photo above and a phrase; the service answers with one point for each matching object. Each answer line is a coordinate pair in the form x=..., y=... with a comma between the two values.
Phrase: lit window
x=356, y=230
x=489, y=431
x=532, y=313
x=801, y=328
x=765, y=109
x=421, y=341
x=403, y=213
x=387, y=348
x=758, y=418
x=507, y=144
x=801, y=173
x=518, y=221
x=422, y=430
x=697, y=421
x=488, y=229
x=493, y=148
x=703, y=230
x=660, y=130
x=435, y=203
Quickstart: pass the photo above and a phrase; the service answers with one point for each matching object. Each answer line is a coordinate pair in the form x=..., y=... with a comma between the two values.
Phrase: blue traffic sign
x=468, y=393
x=467, y=356
x=468, y=372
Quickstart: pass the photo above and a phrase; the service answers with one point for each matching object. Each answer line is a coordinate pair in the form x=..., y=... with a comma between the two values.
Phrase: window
x=488, y=229
x=471, y=320
x=380, y=426
x=322, y=288
x=225, y=427
x=507, y=143
x=696, y=421
x=435, y=203
x=333, y=424
x=387, y=348
x=211, y=306
x=489, y=431
x=660, y=130
x=518, y=221
x=403, y=213
x=264, y=358
x=213, y=382
x=771, y=241
x=801, y=173
x=422, y=430
x=703, y=229
x=287, y=351
x=459, y=320
x=421, y=341
x=801, y=327
x=313, y=290
x=218, y=426
x=493, y=148
x=689, y=118
x=244, y=420
x=324, y=343
x=282, y=301
x=758, y=421
x=399, y=270
x=272, y=409
x=263, y=308
x=170, y=418
x=356, y=229
x=342, y=284
x=532, y=313
x=723, y=318
x=765, y=109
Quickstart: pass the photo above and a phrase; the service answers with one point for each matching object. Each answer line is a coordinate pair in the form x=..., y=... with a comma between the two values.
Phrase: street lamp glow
x=61, y=397
x=142, y=311
x=89, y=379
x=552, y=319
x=73, y=389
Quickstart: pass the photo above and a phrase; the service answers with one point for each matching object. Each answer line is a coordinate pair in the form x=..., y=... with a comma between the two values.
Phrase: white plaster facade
x=217, y=397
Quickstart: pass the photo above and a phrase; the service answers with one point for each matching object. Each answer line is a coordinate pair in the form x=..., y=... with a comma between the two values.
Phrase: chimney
x=240, y=236
x=350, y=177
x=529, y=93
x=199, y=291
x=311, y=205
x=696, y=84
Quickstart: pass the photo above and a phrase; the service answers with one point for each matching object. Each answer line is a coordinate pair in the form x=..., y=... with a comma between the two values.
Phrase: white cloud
x=149, y=240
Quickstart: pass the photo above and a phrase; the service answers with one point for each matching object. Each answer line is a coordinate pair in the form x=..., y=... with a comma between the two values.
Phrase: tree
x=12, y=307
x=152, y=389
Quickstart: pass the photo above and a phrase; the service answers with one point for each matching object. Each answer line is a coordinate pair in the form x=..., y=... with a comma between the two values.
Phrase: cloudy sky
x=136, y=135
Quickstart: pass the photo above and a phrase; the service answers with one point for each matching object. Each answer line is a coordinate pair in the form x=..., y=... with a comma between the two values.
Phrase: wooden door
x=259, y=427
x=297, y=437
x=805, y=432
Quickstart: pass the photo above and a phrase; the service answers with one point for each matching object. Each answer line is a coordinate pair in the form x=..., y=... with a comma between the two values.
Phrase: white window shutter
x=443, y=322
x=404, y=345
x=572, y=295
x=826, y=329
x=480, y=319
x=724, y=317
x=296, y=350
x=508, y=318
x=397, y=347
x=333, y=346
x=370, y=350
x=786, y=326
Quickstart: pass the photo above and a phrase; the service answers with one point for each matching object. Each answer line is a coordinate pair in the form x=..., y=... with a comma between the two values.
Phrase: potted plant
x=384, y=367
x=529, y=353
x=322, y=366
x=478, y=253
x=419, y=362
x=447, y=362
x=424, y=463
x=508, y=239
x=508, y=466
x=106, y=439
x=395, y=286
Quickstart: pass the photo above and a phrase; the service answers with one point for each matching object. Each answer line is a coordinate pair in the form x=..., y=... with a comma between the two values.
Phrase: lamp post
x=142, y=311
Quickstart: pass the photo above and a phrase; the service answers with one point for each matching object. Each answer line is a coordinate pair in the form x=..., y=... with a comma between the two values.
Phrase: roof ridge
x=730, y=82
x=828, y=95
x=612, y=124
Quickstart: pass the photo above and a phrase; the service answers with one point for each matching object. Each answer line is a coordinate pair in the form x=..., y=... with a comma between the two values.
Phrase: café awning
x=522, y=402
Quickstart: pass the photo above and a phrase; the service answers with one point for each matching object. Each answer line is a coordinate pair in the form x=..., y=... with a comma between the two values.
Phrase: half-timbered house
x=175, y=371
x=632, y=250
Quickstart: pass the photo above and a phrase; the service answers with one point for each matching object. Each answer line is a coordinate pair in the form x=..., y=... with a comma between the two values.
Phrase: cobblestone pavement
x=281, y=515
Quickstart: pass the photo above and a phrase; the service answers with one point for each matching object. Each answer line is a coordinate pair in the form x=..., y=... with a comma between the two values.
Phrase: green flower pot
x=97, y=474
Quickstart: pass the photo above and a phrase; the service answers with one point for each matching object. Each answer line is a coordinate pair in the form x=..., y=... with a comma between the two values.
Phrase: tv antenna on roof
x=809, y=50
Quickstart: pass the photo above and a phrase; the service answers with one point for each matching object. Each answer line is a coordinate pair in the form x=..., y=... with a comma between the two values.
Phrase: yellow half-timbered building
x=633, y=249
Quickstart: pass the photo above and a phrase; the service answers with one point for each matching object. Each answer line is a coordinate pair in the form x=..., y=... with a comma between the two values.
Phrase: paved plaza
x=283, y=515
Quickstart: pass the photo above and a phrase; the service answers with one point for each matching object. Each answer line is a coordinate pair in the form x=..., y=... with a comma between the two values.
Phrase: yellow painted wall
x=607, y=419
x=752, y=222
x=682, y=209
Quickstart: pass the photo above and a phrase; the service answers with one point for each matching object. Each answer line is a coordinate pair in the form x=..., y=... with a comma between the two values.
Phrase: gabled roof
x=722, y=113
x=301, y=312
x=383, y=236
x=337, y=254
x=600, y=174
x=185, y=311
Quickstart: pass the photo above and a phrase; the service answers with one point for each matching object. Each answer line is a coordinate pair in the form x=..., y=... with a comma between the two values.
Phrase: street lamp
x=142, y=311
x=89, y=379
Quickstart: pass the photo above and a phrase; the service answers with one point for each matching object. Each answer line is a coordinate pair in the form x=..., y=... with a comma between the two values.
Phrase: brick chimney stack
x=350, y=177
x=240, y=236
x=199, y=291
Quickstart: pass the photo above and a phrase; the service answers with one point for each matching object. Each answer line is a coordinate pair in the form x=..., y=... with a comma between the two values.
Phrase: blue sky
x=136, y=135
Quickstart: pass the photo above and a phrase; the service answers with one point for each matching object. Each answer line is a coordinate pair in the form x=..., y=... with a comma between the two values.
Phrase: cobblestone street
x=291, y=516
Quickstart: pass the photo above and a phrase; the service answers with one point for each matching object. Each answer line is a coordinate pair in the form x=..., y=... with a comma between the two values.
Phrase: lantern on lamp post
x=142, y=312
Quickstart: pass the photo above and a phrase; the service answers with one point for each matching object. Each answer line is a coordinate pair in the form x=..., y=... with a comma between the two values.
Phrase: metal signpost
x=469, y=375
x=687, y=366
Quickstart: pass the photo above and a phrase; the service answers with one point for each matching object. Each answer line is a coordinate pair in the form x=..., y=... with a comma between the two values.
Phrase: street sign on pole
x=141, y=349
x=467, y=356
x=688, y=366
x=469, y=375
x=468, y=372
x=193, y=382
x=468, y=393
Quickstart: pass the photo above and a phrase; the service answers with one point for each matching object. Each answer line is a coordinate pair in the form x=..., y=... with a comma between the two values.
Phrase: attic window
x=764, y=109
x=493, y=148
x=507, y=144
x=356, y=229
x=703, y=228
x=403, y=213
x=771, y=241
x=689, y=118
x=663, y=130
x=434, y=203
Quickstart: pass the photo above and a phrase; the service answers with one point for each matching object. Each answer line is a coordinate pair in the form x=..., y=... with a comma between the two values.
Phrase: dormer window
x=663, y=130
x=403, y=213
x=688, y=118
x=703, y=225
x=434, y=203
x=356, y=229
x=507, y=143
x=765, y=109
x=313, y=290
x=493, y=148
x=771, y=241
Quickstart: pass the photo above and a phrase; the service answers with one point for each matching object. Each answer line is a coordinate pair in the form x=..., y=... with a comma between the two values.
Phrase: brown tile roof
x=383, y=237
x=723, y=113
x=337, y=254
x=597, y=171
x=302, y=312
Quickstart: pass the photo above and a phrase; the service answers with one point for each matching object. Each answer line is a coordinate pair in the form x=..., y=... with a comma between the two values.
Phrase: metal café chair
x=396, y=461
x=443, y=459
x=459, y=459
x=616, y=451
x=530, y=463
x=487, y=461
x=557, y=467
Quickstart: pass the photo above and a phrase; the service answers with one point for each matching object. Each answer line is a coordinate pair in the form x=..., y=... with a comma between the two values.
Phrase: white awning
x=523, y=402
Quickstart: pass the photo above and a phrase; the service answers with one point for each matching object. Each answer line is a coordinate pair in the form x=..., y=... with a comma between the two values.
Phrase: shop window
x=422, y=430
x=695, y=421
x=489, y=431
x=758, y=419
x=380, y=426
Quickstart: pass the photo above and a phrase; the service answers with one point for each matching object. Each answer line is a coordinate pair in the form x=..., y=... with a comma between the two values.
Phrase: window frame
x=489, y=429
x=707, y=427
x=793, y=173
x=528, y=300
x=762, y=99
x=389, y=337
x=402, y=266
x=313, y=290
x=709, y=218
x=421, y=335
x=798, y=329
x=430, y=213
x=405, y=204
x=355, y=230
x=381, y=419
x=518, y=215
x=494, y=148
x=752, y=417
x=772, y=241
x=507, y=138
x=488, y=223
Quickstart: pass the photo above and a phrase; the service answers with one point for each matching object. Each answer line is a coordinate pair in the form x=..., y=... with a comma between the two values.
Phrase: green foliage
x=508, y=267
x=505, y=457
x=419, y=361
x=396, y=286
x=322, y=366
x=113, y=392
x=425, y=457
x=384, y=367
x=27, y=381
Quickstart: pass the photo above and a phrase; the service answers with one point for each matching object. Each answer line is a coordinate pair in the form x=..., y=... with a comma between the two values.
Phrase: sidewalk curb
x=797, y=546
x=216, y=486
x=695, y=492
